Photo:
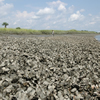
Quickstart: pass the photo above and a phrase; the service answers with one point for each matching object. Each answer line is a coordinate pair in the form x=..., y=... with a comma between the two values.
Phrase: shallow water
x=97, y=37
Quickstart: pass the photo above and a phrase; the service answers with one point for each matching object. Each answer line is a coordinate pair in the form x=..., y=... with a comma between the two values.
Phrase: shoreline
x=47, y=35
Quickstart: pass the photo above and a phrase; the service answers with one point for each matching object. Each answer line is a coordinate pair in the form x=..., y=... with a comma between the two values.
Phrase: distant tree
x=5, y=24
x=18, y=28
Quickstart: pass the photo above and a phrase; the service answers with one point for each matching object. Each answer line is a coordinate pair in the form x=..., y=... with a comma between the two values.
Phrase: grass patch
x=18, y=31
x=46, y=32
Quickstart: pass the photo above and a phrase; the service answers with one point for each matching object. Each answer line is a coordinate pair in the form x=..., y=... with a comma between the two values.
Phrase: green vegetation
x=20, y=31
x=55, y=31
x=18, y=28
x=5, y=24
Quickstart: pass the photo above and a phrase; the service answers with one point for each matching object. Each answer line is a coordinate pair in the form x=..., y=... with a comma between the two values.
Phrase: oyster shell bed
x=50, y=68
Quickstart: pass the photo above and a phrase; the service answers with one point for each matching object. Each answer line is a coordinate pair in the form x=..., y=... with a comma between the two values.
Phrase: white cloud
x=48, y=17
x=97, y=17
x=71, y=9
x=82, y=10
x=76, y=16
x=61, y=7
x=30, y=21
x=47, y=27
x=1, y=2
x=46, y=11
x=90, y=14
x=15, y=23
x=92, y=23
x=5, y=8
x=35, y=17
x=56, y=3
x=54, y=22
x=25, y=14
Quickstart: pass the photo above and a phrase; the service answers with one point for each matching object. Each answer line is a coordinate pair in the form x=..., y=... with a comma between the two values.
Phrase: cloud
x=25, y=14
x=93, y=20
x=48, y=17
x=82, y=10
x=54, y=22
x=30, y=21
x=5, y=8
x=90, y=14
x=47, y=27
x=71, y=9
x=46, y=11
x=16, y=22
x=1, y=2
x=35, y=17
x=61, y=7
x=76, y=16
x=56, y=3
x=92, y=23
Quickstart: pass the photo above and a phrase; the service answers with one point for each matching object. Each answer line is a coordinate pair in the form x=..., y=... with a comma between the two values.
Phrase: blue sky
x=51, y=14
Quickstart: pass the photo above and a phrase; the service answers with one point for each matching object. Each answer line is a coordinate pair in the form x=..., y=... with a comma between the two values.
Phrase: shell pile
x=50, y=68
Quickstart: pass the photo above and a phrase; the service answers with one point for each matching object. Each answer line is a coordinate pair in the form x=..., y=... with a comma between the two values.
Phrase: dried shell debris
x=49, y=68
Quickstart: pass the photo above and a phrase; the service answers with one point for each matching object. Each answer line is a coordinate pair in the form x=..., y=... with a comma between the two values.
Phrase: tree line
x=6, y=24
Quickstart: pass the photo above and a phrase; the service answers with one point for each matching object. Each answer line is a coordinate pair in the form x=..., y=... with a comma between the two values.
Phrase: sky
x=51, y=14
